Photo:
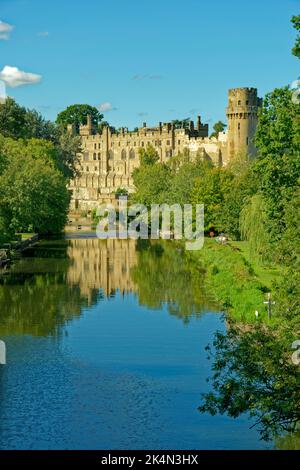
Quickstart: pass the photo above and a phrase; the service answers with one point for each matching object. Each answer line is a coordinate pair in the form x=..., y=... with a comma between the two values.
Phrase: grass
x=239, y=285
x=266, y=273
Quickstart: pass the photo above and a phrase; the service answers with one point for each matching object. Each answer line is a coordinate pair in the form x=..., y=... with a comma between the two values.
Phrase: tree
x=181, y=123
x=183, y=181
x=76, y=114
x=253, y=374
x=148, y=156
x=254, y=226
x=210, y=190
x=12, y=119
x=218, y=127
x=278, y=143
x=152, y=183
x=33, y=192
x=296, y=24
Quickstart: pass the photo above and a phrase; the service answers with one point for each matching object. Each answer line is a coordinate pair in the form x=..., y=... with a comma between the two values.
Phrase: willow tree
x=254, y=224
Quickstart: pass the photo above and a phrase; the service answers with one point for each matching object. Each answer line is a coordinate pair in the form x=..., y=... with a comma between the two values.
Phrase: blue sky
x=147, y=60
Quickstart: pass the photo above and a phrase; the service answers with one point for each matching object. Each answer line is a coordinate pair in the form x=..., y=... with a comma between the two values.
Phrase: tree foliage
x=33, y=192
x=296, y=24
x=218, y=127
x=77, y=114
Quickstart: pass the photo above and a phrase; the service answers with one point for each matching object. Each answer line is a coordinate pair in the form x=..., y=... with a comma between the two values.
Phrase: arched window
x=99, y=156
x=239, y=126
x=110, y=155
x=123, y=154
x=95, y=156
x=132, y=154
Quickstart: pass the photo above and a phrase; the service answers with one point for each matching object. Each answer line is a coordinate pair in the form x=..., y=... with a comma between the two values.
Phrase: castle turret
x=88, y=129
x=242, y=112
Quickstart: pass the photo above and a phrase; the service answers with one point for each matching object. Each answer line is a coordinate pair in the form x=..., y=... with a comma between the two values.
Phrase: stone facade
x=108, y=159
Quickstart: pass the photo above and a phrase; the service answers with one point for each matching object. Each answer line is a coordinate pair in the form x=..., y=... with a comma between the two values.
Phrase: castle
x=108, y=159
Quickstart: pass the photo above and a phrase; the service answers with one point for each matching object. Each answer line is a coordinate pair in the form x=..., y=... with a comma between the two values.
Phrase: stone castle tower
x=242, y=113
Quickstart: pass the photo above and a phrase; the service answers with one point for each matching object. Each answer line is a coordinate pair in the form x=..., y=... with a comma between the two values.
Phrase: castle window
x=95, y=146
x=99, y=146
x=110, y=155
x=132, y=154
x=87, y=168
x=142, y=144
x=247, y=102
x=239, y=126
x=95, y=156
x=99, y=156
x=239, y=102
x=123, y=154
x=178, y=142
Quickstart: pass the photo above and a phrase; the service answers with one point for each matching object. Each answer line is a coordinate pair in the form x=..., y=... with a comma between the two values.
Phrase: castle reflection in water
x=101, y=264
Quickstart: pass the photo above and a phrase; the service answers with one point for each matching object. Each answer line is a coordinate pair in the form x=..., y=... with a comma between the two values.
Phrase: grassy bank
x=239, y=285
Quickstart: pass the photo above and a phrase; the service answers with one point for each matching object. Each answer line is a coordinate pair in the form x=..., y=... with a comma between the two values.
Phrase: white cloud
x=5, y=30
x=43, y=34
x=14, y=77
x=106, y=106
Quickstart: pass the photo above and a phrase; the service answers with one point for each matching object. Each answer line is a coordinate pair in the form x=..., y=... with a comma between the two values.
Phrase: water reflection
x=55, y=280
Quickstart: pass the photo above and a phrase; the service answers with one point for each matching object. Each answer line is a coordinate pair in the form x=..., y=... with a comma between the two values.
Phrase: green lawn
x=266, y=273
x=239, y=285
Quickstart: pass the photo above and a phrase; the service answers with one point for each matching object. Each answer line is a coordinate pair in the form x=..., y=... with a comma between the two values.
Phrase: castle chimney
x=199, y=125
x=191, y=126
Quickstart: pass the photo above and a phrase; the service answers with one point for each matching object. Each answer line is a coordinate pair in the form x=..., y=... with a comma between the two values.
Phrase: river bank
x=239, y=283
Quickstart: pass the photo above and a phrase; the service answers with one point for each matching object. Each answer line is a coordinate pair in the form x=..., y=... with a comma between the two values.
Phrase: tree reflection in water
x=56, y=279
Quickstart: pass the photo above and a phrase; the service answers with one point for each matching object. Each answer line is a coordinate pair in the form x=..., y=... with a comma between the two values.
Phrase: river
x=106, y=350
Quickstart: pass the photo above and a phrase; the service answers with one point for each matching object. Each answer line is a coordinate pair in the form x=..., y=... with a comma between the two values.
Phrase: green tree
x=218, y=127
x=210, y=190
x=278, y=143
x=12, y=119
x=296, y=24
x=183, y=181
x=148, y=155
x=33, y=192
x=253, y=373
x=76, y=114
x=152, y=183
x=181, y=123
